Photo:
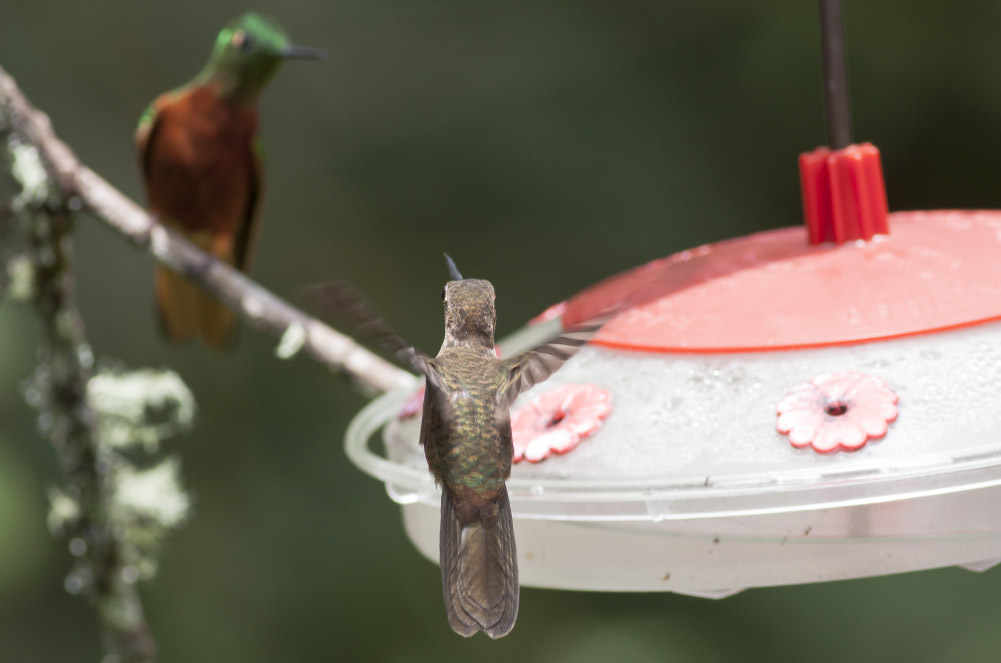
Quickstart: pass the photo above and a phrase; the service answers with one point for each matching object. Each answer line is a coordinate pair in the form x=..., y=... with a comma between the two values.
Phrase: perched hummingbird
x=466, y=435
x=201, y=165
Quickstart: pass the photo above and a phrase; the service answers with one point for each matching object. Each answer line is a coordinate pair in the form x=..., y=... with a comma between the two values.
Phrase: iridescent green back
x=468, y=442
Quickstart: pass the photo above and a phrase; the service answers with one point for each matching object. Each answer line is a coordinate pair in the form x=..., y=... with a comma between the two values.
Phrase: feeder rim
x=728, y=495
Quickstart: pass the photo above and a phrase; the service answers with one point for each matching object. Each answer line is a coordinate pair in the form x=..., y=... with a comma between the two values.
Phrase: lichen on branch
x=85, y=189
x=119, y=494
x=87, y=505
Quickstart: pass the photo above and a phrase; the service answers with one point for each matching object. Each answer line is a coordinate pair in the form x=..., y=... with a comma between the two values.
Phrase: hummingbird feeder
x=799, y=405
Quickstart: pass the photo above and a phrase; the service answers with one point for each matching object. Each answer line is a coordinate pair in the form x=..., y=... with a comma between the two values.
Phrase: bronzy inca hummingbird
x=466, y=435
x=201, y=165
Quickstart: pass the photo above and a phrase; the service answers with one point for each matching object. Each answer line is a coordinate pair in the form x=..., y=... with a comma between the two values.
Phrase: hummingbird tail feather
x=479, y=571
x=176, y=304
x=186, y=310
x=218, y=321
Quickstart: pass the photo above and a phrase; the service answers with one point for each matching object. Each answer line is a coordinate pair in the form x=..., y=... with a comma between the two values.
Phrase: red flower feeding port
x=556, y=421
x=837, y=411
x=748, y=358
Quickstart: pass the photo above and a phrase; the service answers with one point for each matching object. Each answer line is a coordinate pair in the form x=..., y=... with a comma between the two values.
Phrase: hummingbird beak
x=453, y=271
x=302, y=53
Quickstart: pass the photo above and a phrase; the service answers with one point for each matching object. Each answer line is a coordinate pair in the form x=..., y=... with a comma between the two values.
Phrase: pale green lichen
x=140, y=407
x=85, y=355
x=154, y=494
x=116, y=501
x=27, y=168
x=63, y=511
x=292, y=341
x=21, y=278
x=146, y=504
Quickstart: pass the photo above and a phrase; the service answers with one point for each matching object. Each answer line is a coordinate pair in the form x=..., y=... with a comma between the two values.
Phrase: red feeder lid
x=938, y=270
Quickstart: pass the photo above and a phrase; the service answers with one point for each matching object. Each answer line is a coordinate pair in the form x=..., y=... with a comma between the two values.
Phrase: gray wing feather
x=533, y=366
x=340, y=300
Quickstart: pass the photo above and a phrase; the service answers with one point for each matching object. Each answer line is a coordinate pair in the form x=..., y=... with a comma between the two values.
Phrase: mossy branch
x=117, y=498
x=83, y=188
x=84, y=506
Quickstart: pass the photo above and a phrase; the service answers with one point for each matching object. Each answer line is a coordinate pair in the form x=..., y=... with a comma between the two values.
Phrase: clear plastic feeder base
x=718, y=557
x=688, y=487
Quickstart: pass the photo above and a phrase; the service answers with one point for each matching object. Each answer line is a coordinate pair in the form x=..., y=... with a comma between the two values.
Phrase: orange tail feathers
x=186, y=311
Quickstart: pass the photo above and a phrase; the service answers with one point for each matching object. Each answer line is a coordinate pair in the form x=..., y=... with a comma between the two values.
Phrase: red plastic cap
x=773, y=291
x=844, y=197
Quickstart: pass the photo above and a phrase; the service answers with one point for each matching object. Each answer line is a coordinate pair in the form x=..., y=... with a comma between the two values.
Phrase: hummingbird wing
x=144, y=133
x=343, y=302
x=245, y=241
x=148, y=124
x=535, y=365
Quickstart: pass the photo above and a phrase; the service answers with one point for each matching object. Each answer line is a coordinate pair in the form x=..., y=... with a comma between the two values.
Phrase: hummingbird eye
x=242, y=41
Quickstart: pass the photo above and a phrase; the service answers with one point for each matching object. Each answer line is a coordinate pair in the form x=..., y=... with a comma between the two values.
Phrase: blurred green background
x=545, y=145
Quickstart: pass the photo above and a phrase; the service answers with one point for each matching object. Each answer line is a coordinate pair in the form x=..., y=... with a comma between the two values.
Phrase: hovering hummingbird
x=201, y=164
x=466, y=435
